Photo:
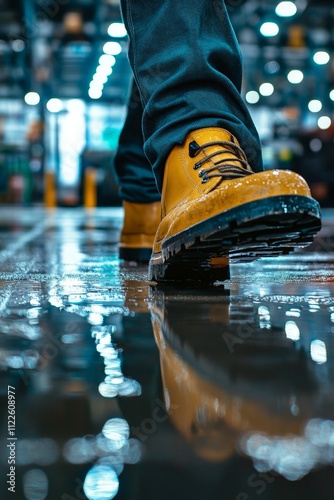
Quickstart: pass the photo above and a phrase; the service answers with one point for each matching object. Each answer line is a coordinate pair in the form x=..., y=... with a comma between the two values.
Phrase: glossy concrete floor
x=122, y=389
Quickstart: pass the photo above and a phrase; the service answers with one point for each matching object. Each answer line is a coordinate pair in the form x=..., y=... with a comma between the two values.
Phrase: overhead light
x=117, y=30
x=272, y=67
x=252, y=97
x=315, y=106
x=315, y=145
x=295, y=76
x=95, y=93
x=73, y=22
x=331, y=95
x=324, y=122
x=107, y=60
x=266, y=89
x=94, y=85
x=32, y=98
x=54, y=105
x=112, y=48
x=321, y=57
x=76, y=106
x=99, y=77
x=286, y=9
x=18, y=45
x=269, y=29
x=104, y=70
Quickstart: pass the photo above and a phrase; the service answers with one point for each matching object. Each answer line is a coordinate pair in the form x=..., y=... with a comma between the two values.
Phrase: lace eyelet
x=196, y=166
x=205, y=180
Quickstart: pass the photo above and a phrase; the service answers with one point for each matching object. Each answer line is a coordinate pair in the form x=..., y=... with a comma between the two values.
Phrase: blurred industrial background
x=65, y=78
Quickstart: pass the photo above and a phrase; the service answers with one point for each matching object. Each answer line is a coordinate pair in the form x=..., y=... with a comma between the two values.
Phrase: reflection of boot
x=141, y=221
x=214, y=394
x=213, y=204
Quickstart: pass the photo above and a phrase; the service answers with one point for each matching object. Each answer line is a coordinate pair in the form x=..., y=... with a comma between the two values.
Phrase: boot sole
x=263, y=228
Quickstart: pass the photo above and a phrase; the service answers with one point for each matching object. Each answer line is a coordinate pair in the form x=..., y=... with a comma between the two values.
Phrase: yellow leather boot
x=214, y=205
x=140, y=223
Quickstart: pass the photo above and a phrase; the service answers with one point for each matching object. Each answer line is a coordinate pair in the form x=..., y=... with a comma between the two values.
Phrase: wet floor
x=115, y=388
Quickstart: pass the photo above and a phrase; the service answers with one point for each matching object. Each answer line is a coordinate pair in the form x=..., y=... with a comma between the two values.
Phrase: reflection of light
x=269, y=29
x=107, y=390
x=264, y=317
x=252, y=97
x=79, y=450
x=37, y=451
x=292, y=457
x=112, y=366
x=32, y=98
x=331, y=95
x=54, y=105
x=118, y=431
x=95, y=319
x=115, y=448
x=129, y=387
x=321, y=57
x=15, y=362
x=295, y=76
x=35, y=485
x=264, y=312
x=112, y=48
x=315, y=145
x=318, y=351
x=292, y=331
x=27, y=360
x=100, y=331
x=117, y=30
x=286, y=9
x=132, y=451
x=71, y=338
x=101, y=483
x=107, y=351
x=293, y=312
x=116, y=380
x=320, y=432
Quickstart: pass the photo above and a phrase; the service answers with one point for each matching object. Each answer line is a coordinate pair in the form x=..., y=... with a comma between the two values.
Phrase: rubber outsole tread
x=264, y=228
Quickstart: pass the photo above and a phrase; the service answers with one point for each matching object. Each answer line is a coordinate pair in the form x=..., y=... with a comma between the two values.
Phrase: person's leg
x=187, y=64
x=137, y=187
x=202, y=143
x=136, y=181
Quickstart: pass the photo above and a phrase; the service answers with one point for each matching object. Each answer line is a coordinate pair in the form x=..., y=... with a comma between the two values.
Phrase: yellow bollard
x=50, y=197
x=90, y=189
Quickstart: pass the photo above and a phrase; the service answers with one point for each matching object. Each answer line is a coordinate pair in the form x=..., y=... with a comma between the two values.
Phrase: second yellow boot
x=140, y=223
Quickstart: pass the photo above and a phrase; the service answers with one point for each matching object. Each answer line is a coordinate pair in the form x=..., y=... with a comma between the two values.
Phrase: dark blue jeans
x=134, y=172
x=187, y=65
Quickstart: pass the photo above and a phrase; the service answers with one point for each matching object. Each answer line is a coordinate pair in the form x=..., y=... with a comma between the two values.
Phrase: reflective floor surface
x=112, y=387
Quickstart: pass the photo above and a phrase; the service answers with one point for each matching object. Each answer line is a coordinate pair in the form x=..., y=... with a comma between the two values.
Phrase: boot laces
x=222, y=167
